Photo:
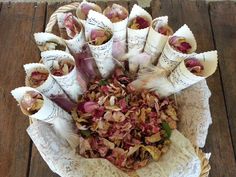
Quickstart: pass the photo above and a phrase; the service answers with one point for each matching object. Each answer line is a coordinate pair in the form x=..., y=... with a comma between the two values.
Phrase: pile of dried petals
x=126, y=127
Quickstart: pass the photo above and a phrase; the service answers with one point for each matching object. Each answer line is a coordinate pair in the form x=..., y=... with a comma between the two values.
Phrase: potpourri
x=37, y=78
x=115, y=13
x=180, y=44
x=194, y=66
x=139, y=23
x=163, y=28
x=31, y=102
x=63, y=67
x=126, y=127
x=99, y=36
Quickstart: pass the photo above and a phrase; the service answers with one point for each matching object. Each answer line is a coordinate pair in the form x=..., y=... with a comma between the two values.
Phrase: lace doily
x=194, y=113
x=180, y=161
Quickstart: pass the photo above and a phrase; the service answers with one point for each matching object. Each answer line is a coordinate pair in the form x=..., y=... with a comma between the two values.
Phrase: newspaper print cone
x=50, y=88
x=137, y=37
x=119, y=30
x=71, y=83
x=155, y=40
x=101, y=53
x=52, y=114
x=182, y=78
x=170, y=57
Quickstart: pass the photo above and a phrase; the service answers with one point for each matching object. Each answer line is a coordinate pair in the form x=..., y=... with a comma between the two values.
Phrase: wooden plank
x=16, y=49
x=38, y=167
x=223, y=25
x=222, y=161
x=195, y=14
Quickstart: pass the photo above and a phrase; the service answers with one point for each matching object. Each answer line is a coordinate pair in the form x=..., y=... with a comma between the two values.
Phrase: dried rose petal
x=62, y=67
x=139, y=23
x=90, y=106
x=31, y=102
x=99, y=36
x=115, y=13
x=194, y=66
x=37, y=78
x=180, y=44
x=165, y=30
x=72, y=25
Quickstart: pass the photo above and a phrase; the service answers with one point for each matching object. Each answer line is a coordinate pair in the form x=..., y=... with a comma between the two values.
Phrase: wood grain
x=223, y=24
x=195, y=15
x=18, y=23
x=38, y=166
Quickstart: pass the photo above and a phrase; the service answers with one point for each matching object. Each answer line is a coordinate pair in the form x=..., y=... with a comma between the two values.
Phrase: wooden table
x=214, y=26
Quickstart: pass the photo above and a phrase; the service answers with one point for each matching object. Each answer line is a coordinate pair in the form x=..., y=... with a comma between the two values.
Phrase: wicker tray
x=205, y=166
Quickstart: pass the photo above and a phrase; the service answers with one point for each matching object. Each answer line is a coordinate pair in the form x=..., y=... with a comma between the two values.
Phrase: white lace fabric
x=179, y=161
x=194, y=113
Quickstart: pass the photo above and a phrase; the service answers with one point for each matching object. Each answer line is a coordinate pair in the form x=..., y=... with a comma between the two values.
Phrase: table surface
x=213, y=25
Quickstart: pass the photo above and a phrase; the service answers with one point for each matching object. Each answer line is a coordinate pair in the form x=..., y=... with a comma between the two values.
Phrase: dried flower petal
x=37, y=78
x=139, y=23
x=72, y=25
x=180, y=44
x=99, y=36
x=194, y=66
x=115, y=13
x=31, y=102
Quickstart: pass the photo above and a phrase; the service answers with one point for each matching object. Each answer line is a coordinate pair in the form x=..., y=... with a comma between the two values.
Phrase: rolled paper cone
x=75, y=45
x=170, y=57
x=49, y=110
x=50, y=88
x=71, y=83
x=80, y=15
x=119, y=33
x=101, y=53
x=52, y=114
x=155, y=40
x=137, y=37
x=47, y=41
x=61, y=26
x=182, y=78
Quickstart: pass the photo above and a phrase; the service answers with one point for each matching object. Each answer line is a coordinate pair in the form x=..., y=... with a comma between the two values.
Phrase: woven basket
x=205, y=166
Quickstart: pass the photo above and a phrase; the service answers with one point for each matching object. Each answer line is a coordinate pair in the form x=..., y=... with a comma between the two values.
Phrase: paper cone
x=69, y=82
x=155, y=40
x=80, y=15
x=47, y=41
x=137, y=38
x=50, y=88
x=119, y=34
x=48, y=112
x=170, y=58
x=101, y=53
x=182, y=78
x=75, y=45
